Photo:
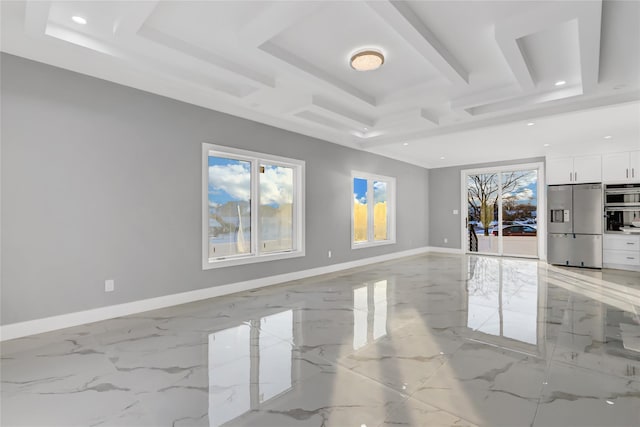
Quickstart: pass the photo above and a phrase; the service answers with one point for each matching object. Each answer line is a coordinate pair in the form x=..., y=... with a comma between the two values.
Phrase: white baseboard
x=38, y=326
x=445, y=250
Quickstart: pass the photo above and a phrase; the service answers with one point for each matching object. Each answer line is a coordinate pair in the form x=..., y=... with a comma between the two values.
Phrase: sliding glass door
x=483, y=191
x=502, y=211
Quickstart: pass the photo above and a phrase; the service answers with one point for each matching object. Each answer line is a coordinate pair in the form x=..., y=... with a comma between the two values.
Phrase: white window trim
x=256, y=158
x=391, y=210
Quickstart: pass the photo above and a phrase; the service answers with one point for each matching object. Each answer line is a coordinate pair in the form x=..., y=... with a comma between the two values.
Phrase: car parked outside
x=517, y=230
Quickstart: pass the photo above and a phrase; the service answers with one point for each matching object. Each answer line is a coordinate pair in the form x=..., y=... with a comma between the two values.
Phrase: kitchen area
x=594, y=211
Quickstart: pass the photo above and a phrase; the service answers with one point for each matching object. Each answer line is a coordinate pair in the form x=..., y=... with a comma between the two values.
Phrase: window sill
x=209, y=264
x=372, y=244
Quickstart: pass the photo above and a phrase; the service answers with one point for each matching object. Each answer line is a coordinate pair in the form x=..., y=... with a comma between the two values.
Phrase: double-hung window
x=373, y=219
x=253, y=207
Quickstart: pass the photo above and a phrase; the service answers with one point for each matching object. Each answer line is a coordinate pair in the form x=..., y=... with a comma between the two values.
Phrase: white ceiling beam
x=415, y=118
x=589, y=16
x=279, y=16
x=36, y=17
x=148, y=64
x=513, y=28
x=233, y=70
x=339, y=113
x=398, y=118
x=129, y=23
x=589, y=30
x=514, y=57
x=431, y=91
x=485, y=96
x=410, y=27
x=299, y=66
x=311, y=116
x=429, y=116
x=559, y=106
x=334, y=113
x=527, y=100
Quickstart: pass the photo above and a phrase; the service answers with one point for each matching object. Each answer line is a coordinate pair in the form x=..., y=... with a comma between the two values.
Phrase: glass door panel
x=519, y=202
x=482, y=205
x=502, y=212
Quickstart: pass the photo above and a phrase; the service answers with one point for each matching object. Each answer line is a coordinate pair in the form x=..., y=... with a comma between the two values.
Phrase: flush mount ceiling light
x=607, y=137
x=530, y=124
x=560, y=83
x=79, y=20
x=367, y=60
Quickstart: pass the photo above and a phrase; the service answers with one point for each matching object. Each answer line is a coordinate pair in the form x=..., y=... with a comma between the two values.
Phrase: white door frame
x=541, y=208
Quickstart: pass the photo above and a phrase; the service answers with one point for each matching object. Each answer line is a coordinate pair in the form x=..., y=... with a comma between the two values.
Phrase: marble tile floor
x=423, y=341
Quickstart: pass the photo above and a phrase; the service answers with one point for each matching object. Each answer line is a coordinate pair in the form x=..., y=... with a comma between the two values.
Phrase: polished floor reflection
x=428, y=340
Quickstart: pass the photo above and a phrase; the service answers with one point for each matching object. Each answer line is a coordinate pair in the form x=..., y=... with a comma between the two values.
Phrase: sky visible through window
x=361, y=201
x=360, y=190
x=229, y=194
x=229, y=180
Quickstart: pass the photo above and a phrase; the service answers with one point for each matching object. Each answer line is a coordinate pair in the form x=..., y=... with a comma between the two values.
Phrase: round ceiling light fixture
x=79, y=20
x=367, y=60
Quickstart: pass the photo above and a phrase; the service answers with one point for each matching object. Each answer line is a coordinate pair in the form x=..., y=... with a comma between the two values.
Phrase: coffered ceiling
x=459, y=77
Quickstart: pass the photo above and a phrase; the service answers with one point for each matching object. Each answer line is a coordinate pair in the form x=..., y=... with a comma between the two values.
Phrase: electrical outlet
x=329, y=254
x=446, y=240
x=109, y=285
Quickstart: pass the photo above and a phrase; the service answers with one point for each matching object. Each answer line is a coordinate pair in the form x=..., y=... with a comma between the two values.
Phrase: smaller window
x=372, y=210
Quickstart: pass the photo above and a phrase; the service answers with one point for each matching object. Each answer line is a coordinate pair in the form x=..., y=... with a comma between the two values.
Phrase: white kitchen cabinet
x=621, y=251
x=634, y=163
x=560, y=171
x=574, y=170
x=587, y=169
x=621, y=167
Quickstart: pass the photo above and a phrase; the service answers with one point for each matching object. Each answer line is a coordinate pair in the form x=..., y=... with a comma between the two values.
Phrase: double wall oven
x=621, y=206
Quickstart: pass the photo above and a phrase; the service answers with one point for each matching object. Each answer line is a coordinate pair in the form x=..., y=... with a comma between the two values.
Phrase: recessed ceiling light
x=530, y=124
x=546, y=145
x=608, y=137
x=367, y=60
x=442, y=158
x=405, y=143
x=560, y=83
x=609, y=402
x=79, y=20
x=365, y=128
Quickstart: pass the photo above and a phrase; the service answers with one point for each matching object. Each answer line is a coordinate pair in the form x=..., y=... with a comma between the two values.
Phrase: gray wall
x=444, y=196
x=103, y=181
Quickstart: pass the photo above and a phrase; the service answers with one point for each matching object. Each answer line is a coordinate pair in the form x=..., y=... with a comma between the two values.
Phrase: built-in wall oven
x=621, y=206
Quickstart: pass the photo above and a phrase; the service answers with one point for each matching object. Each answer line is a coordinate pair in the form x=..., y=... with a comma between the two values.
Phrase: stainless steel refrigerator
x=575, y=225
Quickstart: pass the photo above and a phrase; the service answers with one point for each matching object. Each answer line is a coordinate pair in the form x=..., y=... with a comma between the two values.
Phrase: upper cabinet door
x=587, y=169
x=615, y=167
x=560, y=171
x=634, y=163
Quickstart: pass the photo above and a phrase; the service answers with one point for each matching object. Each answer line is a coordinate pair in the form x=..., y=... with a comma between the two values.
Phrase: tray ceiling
x=451, y=67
